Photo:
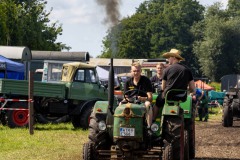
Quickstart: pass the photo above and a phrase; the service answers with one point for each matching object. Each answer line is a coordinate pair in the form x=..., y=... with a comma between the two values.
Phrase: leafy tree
x=217, y=43
x=156, y=27
x=234, y=7
x=26, y=23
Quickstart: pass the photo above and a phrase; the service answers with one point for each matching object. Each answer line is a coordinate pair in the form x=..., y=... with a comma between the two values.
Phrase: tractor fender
x=101, y=107
x=171, y=110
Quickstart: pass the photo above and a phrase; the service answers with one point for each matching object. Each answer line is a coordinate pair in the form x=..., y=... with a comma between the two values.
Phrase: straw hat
x=173, y=53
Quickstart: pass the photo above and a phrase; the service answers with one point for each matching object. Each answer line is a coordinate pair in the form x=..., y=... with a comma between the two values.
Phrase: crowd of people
x=174, y=75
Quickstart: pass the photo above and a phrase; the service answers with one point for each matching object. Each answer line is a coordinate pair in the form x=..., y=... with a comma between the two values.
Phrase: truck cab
x=84, y=77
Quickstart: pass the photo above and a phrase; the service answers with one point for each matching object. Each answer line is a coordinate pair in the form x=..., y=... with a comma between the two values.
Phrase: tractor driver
x=176, y=76
x=142, y=83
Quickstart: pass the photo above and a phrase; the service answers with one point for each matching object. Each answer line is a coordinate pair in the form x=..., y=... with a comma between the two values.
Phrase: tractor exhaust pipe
x=111, y=87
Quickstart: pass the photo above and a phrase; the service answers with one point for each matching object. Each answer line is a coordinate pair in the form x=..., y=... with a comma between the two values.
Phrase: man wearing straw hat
x=176, y=76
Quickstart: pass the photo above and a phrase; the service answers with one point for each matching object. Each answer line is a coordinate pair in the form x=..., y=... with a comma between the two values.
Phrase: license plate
x=127, y=131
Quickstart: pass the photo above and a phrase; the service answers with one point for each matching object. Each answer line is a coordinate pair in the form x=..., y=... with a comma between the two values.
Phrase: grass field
x=51, y=142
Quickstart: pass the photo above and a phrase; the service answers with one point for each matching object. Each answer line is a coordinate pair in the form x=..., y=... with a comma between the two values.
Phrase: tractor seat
x=180, y=96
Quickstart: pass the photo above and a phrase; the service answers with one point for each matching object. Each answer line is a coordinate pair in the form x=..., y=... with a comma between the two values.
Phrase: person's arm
x=163, y=84
x=148, y=98
x=192, y=87
x=201, y=96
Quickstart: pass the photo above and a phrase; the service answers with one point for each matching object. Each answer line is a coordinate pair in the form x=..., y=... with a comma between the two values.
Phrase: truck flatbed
x=20, y=87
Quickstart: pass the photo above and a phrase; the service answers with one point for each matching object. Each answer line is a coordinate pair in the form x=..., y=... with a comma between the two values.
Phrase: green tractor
x=119, y=131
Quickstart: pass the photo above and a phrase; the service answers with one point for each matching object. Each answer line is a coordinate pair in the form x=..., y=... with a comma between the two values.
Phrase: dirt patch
x=215, y=142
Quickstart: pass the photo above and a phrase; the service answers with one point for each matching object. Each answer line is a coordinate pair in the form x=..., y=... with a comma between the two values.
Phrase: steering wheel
x=131, y=95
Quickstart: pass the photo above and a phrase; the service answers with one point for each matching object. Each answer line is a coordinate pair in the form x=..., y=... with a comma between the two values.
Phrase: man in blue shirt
x=202, y=102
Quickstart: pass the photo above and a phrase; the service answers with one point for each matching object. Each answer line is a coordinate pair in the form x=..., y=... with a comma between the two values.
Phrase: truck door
x=85, y=86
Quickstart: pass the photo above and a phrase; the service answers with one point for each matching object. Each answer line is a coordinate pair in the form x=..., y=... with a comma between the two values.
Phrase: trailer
x=73, y=98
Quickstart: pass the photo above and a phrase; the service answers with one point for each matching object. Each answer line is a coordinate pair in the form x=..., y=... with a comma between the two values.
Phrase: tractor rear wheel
x=174, y=135
x=186, y=145
x=190, y=128
x=227, y=118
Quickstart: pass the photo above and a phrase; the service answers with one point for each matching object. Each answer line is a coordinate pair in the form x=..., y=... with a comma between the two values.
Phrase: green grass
x=215, y=113
x=49, y=142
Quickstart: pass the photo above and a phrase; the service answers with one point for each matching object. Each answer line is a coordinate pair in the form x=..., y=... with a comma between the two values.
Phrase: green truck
x=71, y=99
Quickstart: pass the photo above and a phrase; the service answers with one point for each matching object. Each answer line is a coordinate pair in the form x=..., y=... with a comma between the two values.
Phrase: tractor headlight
x=102, y=125
x=154, y=127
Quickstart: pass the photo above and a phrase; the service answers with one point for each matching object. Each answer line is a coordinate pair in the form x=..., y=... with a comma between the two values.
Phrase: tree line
x=208, y=37
x=27, y=23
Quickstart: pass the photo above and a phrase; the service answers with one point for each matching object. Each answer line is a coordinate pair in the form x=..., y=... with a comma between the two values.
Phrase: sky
x=83, y=21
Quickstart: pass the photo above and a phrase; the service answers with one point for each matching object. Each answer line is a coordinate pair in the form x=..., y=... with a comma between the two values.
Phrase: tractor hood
x=130, y=110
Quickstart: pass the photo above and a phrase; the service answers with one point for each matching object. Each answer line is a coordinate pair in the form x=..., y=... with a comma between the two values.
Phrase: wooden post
x=30, y=103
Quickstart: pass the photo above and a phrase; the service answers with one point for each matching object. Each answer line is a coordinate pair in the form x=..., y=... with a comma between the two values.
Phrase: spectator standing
x=202, y=103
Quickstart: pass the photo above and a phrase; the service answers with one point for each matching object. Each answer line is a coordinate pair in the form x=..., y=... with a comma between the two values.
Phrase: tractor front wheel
x=88, y=152
x=167, y=152
x=100, y=139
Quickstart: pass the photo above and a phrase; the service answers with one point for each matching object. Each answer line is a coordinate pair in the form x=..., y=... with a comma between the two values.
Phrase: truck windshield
x=85, y=75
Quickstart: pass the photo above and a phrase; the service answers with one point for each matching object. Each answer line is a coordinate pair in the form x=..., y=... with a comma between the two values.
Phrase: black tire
x=17, y=118
x=82, y=120
x=186, y=145
x=174, y=134
x=190, y=127
x=227, y=118
x=167, y=153
x=3, y=119
x=44, y=119
x=76, y=121
x=88, y=152
x=100, y=139
x=44, y=116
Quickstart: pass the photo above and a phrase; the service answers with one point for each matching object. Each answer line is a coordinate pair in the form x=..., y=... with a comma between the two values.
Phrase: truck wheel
x=167, y=153
x=227, y=118
x=17, y=118
x=88, y=152
x=3, y=119
x=44, y=119
x=186, y=145
x=173, y=133
x=82, y=120
x=85, y=117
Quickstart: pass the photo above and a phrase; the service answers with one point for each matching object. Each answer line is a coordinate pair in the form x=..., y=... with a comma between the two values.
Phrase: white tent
x=103, y=75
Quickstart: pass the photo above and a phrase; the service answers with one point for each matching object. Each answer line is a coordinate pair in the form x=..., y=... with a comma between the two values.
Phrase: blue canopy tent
x=10, y=69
